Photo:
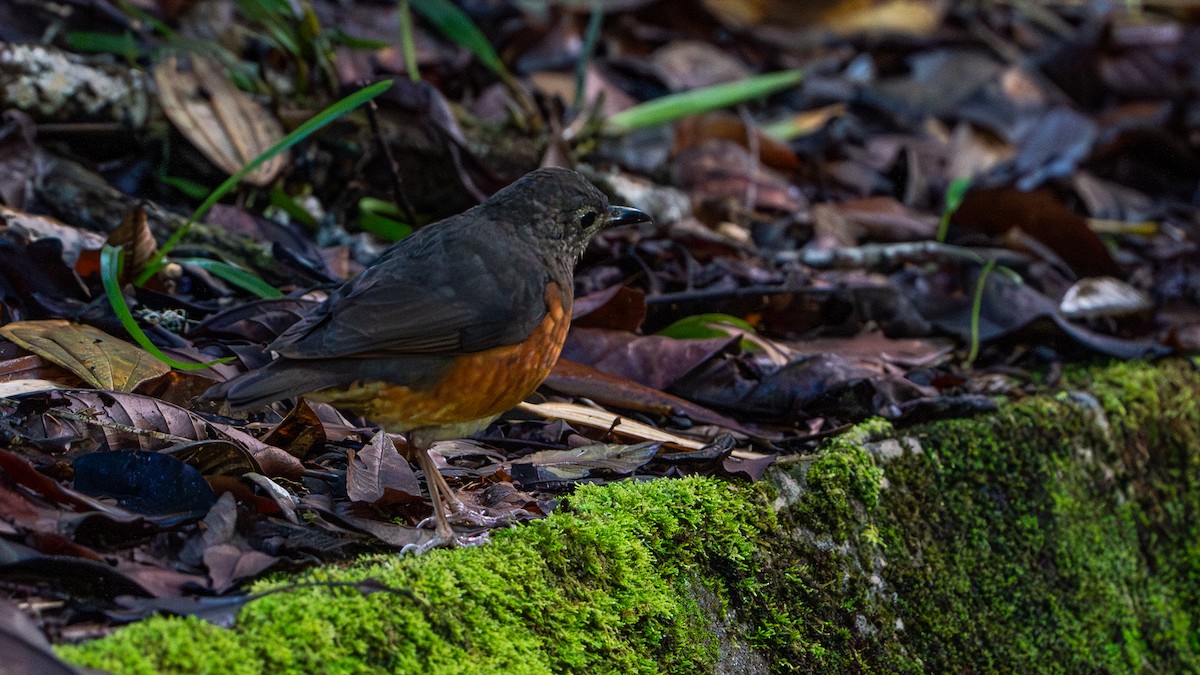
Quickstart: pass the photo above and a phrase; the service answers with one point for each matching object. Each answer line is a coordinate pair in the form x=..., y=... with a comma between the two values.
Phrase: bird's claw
x=461, y=514
x=454, y=540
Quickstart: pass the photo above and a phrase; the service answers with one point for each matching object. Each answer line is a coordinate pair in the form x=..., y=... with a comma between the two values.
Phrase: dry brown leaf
x=601, y=419
x=378, y=475
x=100, y=359
x=35, y=226
x=692, y=64
x=843, y=17
x=621, y=426
x=890, y=17
x=222, y=121
x=84, y=418
x=133, y=235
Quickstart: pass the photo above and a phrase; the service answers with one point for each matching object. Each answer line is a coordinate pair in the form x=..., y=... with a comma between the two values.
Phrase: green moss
x=1057, y=535
x=578, y=591
x=159, y=645
x=1034, y=537
x=1060, y=534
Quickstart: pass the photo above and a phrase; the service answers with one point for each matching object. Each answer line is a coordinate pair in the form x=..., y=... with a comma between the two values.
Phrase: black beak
x=623, y=215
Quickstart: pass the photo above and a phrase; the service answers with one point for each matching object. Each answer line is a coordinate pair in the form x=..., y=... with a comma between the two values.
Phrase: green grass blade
x=677, y=106
x=382, y=219
x=242, y=278
x=286, y=203
x=188, y=187
x=124, y=44
x=408, y=44
x=977, y=309
x=157, y=25
x=458, y=27
x=110, y=275
x=311, y=126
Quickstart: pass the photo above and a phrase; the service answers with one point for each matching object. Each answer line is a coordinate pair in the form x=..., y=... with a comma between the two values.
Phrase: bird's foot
x=448, y=508
x=453, y=540
x=459, y=513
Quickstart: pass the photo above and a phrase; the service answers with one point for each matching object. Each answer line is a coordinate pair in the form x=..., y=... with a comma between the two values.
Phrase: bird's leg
x=446, y=504
x=440, y=493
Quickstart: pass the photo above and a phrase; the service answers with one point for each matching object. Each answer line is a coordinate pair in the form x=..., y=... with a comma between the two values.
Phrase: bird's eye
x=587, y=219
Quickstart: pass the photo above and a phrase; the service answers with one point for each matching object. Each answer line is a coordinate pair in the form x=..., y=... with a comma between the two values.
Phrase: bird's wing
x=446, y=294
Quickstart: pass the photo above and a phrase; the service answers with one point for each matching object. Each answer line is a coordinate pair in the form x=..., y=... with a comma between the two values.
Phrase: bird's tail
x=269, y=384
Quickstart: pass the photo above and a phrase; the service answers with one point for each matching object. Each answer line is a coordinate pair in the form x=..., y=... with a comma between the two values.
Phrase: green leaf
x=955, y=193
x=408, y=44
x=188, y=187
x=382, y=219
x=700, y=326
x=338, y=36
x=677, y=106
x=311, y=126
x=384, y=227
x=121, y=44
x=147, y=18
x=286, y=203
x=458, y=27
x=240, y=277
x=110, y=274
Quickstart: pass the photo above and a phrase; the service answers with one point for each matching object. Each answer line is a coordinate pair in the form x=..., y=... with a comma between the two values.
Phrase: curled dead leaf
x=222, y=121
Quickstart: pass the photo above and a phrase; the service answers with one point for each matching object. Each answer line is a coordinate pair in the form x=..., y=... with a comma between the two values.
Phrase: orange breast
x=478, y=386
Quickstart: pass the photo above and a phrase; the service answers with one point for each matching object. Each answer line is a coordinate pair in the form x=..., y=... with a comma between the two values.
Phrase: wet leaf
x=617, y=307
x=723, y=125
x=300, y=432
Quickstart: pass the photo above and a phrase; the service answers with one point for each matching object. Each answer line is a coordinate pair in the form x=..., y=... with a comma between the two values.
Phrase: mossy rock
x=1056, y=535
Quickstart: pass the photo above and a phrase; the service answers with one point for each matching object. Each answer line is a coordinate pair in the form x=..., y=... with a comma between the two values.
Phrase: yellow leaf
x=100, y=359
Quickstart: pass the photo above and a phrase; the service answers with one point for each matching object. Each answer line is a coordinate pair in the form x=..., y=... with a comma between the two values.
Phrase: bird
x=448, y=328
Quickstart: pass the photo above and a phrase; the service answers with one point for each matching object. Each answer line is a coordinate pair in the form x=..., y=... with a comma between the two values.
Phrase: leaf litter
x=804, y=270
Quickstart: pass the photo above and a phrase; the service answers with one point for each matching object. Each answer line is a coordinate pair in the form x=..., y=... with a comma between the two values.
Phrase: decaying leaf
x=100, y=359
x=582, y=462
x=83, y=419
x=135, y=239
x=378, y=475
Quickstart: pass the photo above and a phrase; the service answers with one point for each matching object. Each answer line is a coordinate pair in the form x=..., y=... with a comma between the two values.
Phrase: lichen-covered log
x=54, y=85
x=1057, y=535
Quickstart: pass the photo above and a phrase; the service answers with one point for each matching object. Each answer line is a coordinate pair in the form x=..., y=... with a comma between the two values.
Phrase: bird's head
x=564, y=208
